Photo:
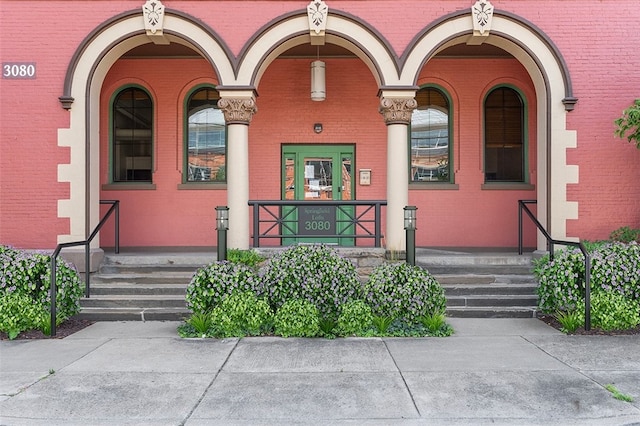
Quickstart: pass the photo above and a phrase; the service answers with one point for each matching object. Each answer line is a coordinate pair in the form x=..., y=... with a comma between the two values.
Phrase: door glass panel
x=346, y=178
x=289, y=178
x=318, y=178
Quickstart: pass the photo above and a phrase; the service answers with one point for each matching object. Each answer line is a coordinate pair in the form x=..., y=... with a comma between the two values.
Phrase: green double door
x=318, y=174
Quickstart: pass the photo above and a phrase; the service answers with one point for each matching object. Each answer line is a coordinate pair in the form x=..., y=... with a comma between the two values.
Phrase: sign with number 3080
x=19, y=70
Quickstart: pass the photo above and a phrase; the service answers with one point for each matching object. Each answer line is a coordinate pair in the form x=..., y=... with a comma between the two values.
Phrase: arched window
x=132, y=136
x=206, y=138
x=504, y=136
x=431, y=137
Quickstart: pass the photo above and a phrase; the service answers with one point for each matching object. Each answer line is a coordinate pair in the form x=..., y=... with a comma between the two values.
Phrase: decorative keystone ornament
x=482, y=12
x=153, y=12
x=317, y=11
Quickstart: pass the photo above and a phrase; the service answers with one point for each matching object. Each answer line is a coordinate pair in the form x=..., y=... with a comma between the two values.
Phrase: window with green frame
x=205, y=147
x=504, y=130
x=132, y=136
x=430, y=144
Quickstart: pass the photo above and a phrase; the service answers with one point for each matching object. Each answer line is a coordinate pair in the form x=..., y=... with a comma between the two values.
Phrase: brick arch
x=292, y=30
x=553, y=90
x=85, y=75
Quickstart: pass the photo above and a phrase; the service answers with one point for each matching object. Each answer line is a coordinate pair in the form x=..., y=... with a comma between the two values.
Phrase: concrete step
x=491, y=312
x=152, y=286
x=116, y=288
x=441, y=262
x=164, y=277
x=134, y=301
x=445, y=279
x=503, y=301
x=477, y=269
x=497, y=289
x=133, y=314
x=188, y=270
x=194, y=259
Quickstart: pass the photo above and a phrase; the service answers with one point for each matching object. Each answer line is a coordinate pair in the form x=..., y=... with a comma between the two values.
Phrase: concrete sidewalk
x=491, y=371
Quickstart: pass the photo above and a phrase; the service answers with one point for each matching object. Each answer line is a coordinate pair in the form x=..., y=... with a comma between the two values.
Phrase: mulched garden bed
x=550, y=320
x=72, y=325
x=65, y=329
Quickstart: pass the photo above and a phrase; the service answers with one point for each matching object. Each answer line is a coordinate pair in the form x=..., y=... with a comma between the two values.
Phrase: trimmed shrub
x=561, y=281
x=355, y=318
x=297, y=318
x=615, y=267
x=625, y=235
x=613, y=311
x=25, y=277
x=18, y=313
x=211, y=284
x=241, y=314
x=314, y=273
x=404, y=292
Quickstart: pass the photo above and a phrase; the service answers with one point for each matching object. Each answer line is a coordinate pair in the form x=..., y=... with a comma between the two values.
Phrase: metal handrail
x=115, y=206
x=522, y=205
x=279, y=222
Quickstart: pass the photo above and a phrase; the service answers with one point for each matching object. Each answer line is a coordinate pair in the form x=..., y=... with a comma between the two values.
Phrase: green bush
x=19, y=313
x=315, y=273
x=216, y=281
x=561, y=281
x=355, y=318
x=625, y=235
x=628, y=125
x=616, y=267
x=615, y=286
x=404, y=292
x=297, y=318
x=28, y=275
x=613, y=311
x=246, y=257
x=241, y=314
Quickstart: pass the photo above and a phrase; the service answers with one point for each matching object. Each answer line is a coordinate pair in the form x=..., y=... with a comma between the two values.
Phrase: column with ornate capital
x=396, y=108
x=238, y=111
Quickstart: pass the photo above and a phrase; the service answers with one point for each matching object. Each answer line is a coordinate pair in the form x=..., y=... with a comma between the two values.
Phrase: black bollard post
x=222, y=225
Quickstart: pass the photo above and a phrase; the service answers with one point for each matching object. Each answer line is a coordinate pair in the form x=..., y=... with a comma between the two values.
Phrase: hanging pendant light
x=318, y=88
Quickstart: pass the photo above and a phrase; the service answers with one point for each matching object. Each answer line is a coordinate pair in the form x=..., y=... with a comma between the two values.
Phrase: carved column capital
x=238, y=110
x=397, y=110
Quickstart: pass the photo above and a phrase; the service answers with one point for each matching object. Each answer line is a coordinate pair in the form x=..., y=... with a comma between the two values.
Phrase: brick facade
x=600, y=59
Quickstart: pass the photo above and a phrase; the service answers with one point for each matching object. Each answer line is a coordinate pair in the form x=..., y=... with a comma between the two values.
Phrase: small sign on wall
x=19, y=70
x=365, y=176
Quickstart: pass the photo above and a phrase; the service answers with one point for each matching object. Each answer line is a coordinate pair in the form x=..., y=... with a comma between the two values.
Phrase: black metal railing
x=551, y=242
x=279, y=219
x=115, y=206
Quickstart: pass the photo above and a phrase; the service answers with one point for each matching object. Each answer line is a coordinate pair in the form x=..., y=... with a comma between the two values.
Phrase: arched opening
x=517, y=40
x=119, y=41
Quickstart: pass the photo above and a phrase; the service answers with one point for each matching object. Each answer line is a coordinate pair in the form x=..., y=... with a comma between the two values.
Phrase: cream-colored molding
x=95, y=60
x=553, y=137
x=237, y=110
x=397, y=110
x=153, y=16
x=280, y=37
x=318, y=13
x=481, y=16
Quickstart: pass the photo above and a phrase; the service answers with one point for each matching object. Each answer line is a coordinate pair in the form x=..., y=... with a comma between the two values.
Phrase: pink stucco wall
x=599, y=52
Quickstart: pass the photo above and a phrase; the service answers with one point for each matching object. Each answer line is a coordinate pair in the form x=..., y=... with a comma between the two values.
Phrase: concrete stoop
x=484, y=284
x=142, y=287
x=152, y=286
